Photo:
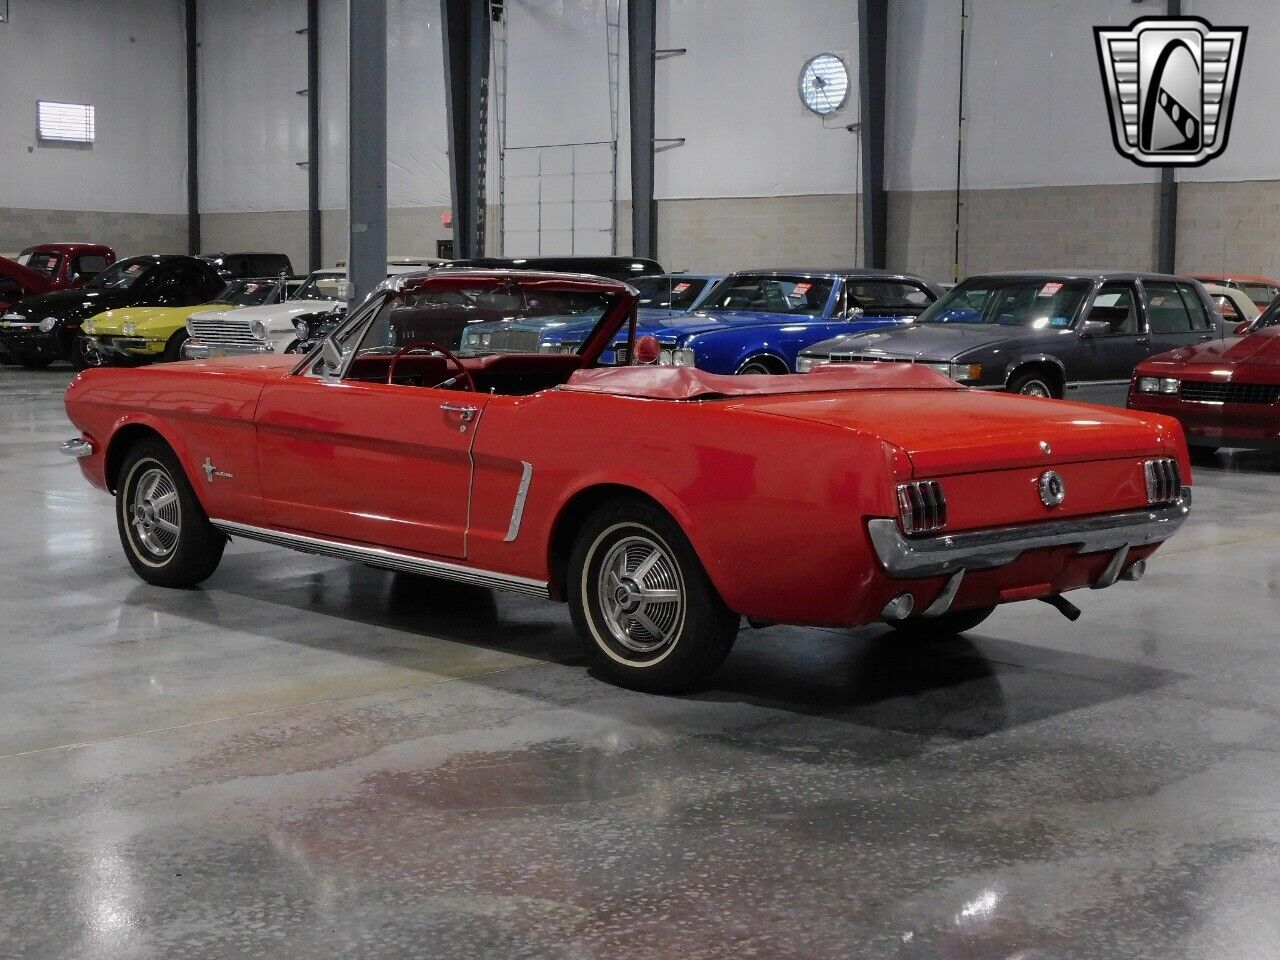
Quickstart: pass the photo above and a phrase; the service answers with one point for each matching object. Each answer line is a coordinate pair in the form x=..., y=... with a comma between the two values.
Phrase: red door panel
x=368, y=462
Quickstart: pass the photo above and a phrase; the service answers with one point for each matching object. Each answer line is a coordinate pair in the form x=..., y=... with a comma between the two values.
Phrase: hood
x=112, y=321
x=1261, y=349
x=33, y=281
x=926, y=341
x=276, y=316
x=72, y=305
x=977, y=430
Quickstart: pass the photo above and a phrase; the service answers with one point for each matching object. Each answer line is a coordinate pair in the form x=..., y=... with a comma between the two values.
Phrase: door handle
x=1206, y=337
x=467, y=413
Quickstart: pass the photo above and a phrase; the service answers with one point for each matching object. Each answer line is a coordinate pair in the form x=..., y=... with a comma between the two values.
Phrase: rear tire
x=164, y=531
x=1033, y=384
x=643, y=603
x=173, y=349
x=946, y=625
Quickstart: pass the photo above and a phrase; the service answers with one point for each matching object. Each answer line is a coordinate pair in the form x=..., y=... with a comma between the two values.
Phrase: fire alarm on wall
x=446, y=219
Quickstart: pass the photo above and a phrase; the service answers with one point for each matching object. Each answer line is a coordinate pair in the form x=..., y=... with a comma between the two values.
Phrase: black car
x=243, y=266
x=615, y=268
x=1041, y=333
x=42, y=329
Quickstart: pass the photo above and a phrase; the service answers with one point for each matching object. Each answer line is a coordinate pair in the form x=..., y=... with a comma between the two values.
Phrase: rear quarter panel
x=775, y=510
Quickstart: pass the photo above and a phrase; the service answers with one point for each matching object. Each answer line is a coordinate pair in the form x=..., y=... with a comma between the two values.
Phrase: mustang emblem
x=210, y=471
x=1053, y=489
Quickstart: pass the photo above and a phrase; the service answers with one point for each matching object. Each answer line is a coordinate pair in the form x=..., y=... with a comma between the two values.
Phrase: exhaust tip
x=1136, y=571
x=899, y=608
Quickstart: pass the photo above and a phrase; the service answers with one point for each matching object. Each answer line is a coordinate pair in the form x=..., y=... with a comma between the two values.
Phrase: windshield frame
x=762, y=277
x=121, y=266
x=1089, y=284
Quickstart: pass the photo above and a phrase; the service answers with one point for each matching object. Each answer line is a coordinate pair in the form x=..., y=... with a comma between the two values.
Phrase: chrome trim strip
x=517, y=508
x=946, y=597
x=78, y=448
x=910, y=557
x=387, y=559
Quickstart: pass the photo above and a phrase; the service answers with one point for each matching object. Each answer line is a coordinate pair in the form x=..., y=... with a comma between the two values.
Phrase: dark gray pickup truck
x=1045, y=333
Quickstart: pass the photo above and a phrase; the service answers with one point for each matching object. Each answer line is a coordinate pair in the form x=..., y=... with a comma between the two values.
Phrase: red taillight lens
x=922, y=507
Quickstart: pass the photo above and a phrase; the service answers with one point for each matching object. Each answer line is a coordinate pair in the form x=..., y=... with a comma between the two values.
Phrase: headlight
x=1170, y=385
x=683, y=357
x=966, y=372
x=486, y=339
x=942, y=368
x=664, y=358
x=191, y=329
x=303, y=328
x=128, y=328
x=806, y=364
x=88, y=327
x=47, y=324
x=258, y=330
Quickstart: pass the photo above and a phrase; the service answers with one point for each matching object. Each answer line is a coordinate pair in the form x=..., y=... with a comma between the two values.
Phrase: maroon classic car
x=1226, y=393
x=67, y=265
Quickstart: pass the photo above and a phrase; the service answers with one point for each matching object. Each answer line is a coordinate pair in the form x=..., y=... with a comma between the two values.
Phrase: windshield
x=120, y=276
x=46, y=263
x=1022, y=302
x=772, y=294
x=249, y=293
x=323, y=286
x=670, y=292
x=1260, y=293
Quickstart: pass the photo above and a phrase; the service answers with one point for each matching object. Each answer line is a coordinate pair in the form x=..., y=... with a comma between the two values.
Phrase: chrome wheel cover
x=90, y=356
x=641, y=595
x=155, y=514
x=1035, y=388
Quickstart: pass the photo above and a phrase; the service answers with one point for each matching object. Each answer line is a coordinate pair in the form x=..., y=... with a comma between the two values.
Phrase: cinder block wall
x=1229, y=227
x=128, y=233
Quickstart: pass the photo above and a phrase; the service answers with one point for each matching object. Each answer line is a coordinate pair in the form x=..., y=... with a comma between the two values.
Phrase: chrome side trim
x=387, y=559
x=908, y=557
x=78, y=448
x=517, y=508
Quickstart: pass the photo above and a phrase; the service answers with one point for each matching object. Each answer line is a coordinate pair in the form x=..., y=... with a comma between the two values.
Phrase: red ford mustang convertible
x=662, y=503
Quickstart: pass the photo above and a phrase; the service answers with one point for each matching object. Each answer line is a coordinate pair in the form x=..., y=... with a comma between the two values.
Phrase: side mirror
x=1243, y=328
x=330, y=356
x=1095, y=328
x=647, y=350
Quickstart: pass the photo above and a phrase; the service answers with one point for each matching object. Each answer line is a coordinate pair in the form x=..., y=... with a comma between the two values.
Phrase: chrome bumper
x=196, y=350
x=119, y=346
x=911, y=557
x=78, y=448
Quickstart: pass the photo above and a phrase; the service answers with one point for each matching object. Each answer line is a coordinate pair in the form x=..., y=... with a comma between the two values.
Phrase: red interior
x=512, y=374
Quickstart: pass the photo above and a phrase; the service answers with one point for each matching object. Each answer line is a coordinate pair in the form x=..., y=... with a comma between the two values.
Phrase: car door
x=1106, y=360
x=348, y=458
x=1175, y=316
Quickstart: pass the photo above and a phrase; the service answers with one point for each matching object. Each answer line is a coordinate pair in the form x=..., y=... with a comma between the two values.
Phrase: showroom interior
x=639, y=478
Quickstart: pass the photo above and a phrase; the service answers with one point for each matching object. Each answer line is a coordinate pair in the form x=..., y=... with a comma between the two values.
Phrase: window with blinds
x=64, y=122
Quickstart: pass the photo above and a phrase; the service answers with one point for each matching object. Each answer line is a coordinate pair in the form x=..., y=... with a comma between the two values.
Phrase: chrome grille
x=1164, y=480
x=1217, y=391
x=224, y=333
x=514, y=341
x=922, y=507
x=866, y=358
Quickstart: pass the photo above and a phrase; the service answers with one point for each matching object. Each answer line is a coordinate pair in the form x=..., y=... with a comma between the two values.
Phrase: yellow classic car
x=133, y=334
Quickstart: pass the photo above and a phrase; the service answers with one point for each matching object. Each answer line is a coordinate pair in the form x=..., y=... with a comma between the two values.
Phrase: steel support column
x=367, y=129
x=873, y=41
x=466, y=72
x=314, y=234
x=1167, y=228
x=193, y=131
x=642, y=18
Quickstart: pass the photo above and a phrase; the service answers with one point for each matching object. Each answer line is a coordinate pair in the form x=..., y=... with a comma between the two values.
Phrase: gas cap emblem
x=1045, y=448
x=1053, y=490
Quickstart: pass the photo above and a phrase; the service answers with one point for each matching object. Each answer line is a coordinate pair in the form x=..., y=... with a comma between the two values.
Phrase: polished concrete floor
x=308, y=759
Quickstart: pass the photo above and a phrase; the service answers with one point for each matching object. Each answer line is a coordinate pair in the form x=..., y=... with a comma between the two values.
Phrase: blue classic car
x=662, y=295
x=758, y=321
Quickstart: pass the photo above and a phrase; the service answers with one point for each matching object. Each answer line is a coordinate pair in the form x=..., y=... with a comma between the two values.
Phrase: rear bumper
x=917, y=557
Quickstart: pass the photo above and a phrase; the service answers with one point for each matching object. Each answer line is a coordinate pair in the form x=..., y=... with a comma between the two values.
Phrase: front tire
x=949, y=624
x=1033, y=384
x=83, y=354
x=173, y=348
x=643, y=603
x=164, y=531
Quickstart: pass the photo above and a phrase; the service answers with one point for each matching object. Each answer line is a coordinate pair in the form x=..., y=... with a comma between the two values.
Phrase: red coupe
x=662, y=503
x=1225, y=393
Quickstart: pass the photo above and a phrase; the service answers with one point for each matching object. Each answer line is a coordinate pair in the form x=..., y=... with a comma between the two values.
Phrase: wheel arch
x=775, y=361
x=1051, y=365
x=574, y=511
x=124, y=436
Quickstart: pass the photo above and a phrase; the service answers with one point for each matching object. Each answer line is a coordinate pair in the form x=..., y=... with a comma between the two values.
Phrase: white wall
x=127, y=59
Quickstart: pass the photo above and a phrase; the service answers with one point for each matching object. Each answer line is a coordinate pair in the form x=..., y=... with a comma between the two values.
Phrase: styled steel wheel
x=163, y=529
x=641, y=595
x=84, y=354
x=642, y=601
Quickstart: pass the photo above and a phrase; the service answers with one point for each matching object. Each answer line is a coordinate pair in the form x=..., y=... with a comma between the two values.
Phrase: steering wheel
x=463, y=375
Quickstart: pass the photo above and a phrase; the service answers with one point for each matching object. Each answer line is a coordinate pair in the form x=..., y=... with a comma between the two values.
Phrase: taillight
x=922, y=508
x=1164, y=480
